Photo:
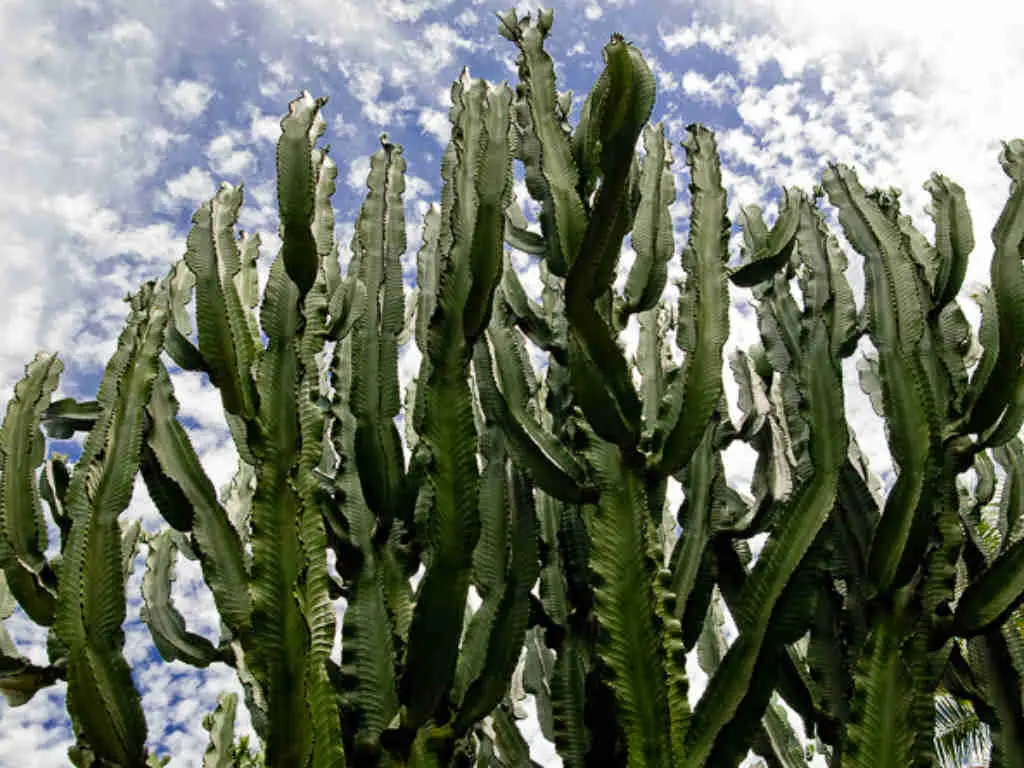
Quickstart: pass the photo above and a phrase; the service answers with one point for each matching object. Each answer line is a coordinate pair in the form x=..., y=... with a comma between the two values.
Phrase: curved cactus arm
x=778, y=319
x=53, y=488
x=453, y=530
x=529, y=317
x=823, y=281
x=166, y=624
x=880, y=731
x=380, y=241
x=319, y=612
x=752, y=396
x=988, y=339
x=694, y=395
x=313, y=591
x=517, y=234
x=853, y=521
x=624, y=603
x=954, y=338
x=538, y=663
x=780, y=740
x=62, y=418
x=23, y=538
x=493, y=186
x=514, y=751
x=183, y=352
x=448, y=435
x=347, y=305
x=989, y=396
x=347, y=298
x=1010, y=516
x=437, y=236
x=104, y=705
x=954, y=236
x=654, y=362
x=428, y=270
x=760, y=722
x=554, y=599
x=768, y=250
x=1009, y=423
x=20, y=680
x=278, y=648
x=990, y=598
x=368, y=665
x=185, y=496
x=894, y=304
x=508, y=521
x=284, y=648
x=247, y=281
x=296, y=182
x=796, y=529
x=601, y=380
x=704, y=483
x=550, y=464
x=652, y=236
x=921, y=251
x=220, y=753
x=630, y=99
x=586, y=139
x=996, y=666
x=599, y=371
x=537, y=73
x=527, y=149
x=792, y=681
x=131, y=532
x=225, y=342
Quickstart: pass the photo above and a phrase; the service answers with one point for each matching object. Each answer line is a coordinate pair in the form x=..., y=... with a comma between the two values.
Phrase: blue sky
x=122, y=116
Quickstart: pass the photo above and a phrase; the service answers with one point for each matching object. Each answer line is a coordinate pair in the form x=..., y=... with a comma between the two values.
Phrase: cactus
x=858, y=612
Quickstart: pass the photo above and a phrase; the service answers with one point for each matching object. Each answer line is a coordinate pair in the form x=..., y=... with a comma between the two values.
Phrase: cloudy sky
x=122, y=116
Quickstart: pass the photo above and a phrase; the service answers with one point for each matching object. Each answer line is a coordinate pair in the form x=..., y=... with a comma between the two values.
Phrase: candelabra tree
x=545, y=493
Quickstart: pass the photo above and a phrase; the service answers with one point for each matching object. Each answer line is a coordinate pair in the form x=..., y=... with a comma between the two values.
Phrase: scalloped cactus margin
x=858, y=611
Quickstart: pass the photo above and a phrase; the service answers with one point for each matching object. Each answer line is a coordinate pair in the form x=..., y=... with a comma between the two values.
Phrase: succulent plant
x=546, y=493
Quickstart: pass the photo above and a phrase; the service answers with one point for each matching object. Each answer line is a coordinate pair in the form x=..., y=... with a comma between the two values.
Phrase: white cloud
x=716, y=91
x=193, y=187
x=86, y=123
x=358, y=170
x=436, y=123
x=278, y=79
x=467, y=18
x=186, y=99
x=401, y=10
x=264, y=127
x=416, y=188
x=225, y=159
x=132, y=32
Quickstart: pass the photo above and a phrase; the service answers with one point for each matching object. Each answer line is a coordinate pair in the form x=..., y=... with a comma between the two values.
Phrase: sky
x=122, y=116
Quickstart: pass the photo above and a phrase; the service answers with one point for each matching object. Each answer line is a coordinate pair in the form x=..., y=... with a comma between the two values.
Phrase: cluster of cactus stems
x=546, y=494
